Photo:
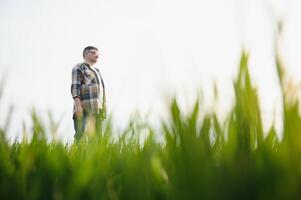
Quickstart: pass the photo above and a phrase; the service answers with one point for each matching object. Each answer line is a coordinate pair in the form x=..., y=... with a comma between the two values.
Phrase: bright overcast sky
x=148, y=50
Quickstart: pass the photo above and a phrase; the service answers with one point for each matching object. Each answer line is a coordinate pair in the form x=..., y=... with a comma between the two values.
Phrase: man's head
x=91, y=54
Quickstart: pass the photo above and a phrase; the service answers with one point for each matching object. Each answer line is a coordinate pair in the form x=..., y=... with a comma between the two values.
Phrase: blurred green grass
x=200, y=157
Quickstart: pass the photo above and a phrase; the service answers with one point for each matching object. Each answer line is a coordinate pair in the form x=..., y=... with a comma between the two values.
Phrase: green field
x=199, y=158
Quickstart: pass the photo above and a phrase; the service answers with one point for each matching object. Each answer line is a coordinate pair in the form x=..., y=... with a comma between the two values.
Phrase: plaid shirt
x=88, y=85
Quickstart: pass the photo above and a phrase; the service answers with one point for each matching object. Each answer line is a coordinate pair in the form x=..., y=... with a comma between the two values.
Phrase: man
x=88, y=92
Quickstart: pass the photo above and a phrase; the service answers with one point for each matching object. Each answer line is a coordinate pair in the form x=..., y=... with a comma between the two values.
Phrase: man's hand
x=78, y=110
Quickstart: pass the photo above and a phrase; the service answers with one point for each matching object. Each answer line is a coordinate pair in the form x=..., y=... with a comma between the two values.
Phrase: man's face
x=92, y=55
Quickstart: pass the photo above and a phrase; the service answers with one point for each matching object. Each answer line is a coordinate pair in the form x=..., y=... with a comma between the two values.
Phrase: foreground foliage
x=199, y=158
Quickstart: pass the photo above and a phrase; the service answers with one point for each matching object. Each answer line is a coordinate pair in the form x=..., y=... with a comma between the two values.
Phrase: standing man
x=88, y=92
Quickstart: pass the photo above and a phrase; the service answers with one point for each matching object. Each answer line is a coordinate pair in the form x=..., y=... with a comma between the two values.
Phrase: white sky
x=149, y=50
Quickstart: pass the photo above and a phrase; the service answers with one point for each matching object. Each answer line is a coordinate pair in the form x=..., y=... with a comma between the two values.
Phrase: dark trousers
x=81, y=122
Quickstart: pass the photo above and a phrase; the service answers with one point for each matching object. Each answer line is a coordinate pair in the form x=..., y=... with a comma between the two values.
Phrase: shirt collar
x=92, y=67
x=87, y=64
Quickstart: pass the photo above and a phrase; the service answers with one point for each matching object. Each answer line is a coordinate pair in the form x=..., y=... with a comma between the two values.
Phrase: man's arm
x=76, y=82
x=78, y=110
x=75, y=90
